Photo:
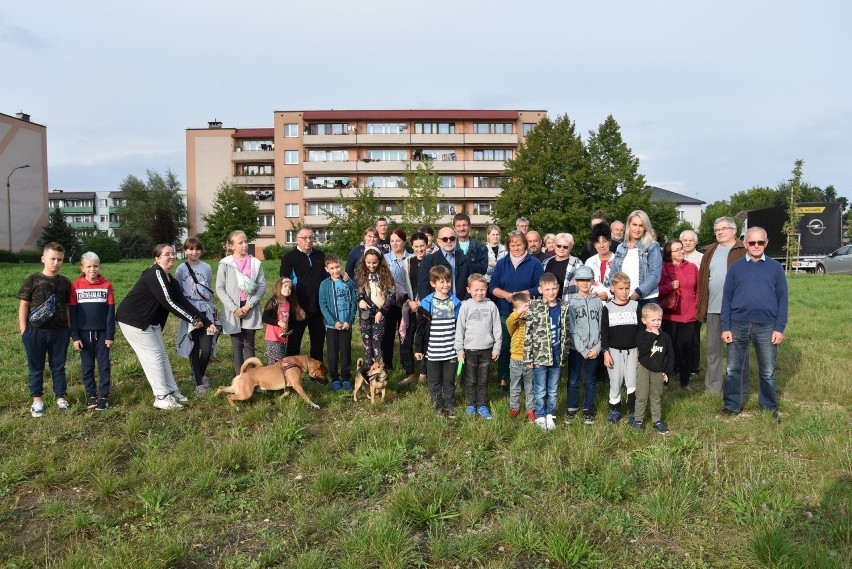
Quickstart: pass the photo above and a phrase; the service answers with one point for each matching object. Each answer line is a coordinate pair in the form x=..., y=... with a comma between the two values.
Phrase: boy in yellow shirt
x=516, y=324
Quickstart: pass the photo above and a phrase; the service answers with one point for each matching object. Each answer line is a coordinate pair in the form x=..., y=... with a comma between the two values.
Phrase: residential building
x=298, y=168
x=88, y=212
x=23, y=166
x=688, y=209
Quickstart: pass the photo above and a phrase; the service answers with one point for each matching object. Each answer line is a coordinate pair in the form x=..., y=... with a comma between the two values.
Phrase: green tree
x=350, y=219
x=59, y=231
x=154, y=207
x=756, y=197
x=791, y=226
x=664, y=218
x=420, y=206
x=712, y=212
x=104, y=246
x=232, y=210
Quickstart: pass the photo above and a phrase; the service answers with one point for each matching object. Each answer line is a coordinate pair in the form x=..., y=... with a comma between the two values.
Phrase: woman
x=517, y=271
x=562, y=265
x=142, y=316
x=240, y=285
x=680, y=322
x=396, y=262
x=601, y=262
x=496, y=250
x=550, y=244
x=419, y=244
x=639, y=256
x=371, y=238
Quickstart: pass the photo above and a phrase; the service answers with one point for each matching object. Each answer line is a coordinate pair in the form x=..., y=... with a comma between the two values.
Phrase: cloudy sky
x=714, y=97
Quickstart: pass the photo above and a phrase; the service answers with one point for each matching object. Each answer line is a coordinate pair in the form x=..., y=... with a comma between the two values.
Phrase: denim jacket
x=650, y=266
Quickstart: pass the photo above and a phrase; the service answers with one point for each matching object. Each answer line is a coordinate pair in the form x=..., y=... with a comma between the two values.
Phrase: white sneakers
x=37, y=410
x=168, y=401
x=546, y=423
x=62, y=404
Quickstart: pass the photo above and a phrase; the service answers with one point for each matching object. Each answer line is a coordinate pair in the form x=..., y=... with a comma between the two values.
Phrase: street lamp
x=9, y=201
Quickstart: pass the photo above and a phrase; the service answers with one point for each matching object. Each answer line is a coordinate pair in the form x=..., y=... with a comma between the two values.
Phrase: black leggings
x=199, y=356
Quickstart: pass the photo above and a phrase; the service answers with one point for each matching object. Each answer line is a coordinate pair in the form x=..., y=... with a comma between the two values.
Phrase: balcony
x=490, y=139
x=253, y=156
x=114, y=224
x=485, y=166
x=438, y=139
x=383, y=139
x=82, y=224
x=330, y=167
x=329, y=140
x=266, y=180
x=367, y=165
x=68, y=210
x=315, y=220
x=324, y=193
x=481, y=220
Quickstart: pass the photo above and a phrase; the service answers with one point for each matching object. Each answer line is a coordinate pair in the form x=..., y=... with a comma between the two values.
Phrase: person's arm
x=23, y=314
x=222, y=275
x=655, y=267
x=478, y=257
x=326, y=301
x=461, y=329
x=727, y=298
x=512, y=322
x=666, y=279
x=260, y=280
x=286, y=268
x=423, y=286
x=170, y=297
x=496, y=332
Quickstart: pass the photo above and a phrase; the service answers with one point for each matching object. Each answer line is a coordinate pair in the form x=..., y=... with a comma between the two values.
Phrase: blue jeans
x=95, y=351
x=546, y=387
x=578, y=366
x=54, y=345
x=736, y=385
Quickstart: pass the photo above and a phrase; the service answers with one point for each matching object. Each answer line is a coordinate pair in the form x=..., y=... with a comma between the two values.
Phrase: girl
x=375, y=296
x=276, y=316
x=196, y=281
x=240, y=285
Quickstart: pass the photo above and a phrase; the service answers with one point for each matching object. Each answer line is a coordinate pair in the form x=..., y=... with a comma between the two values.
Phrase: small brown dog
x=373, y=376
x=280, y=375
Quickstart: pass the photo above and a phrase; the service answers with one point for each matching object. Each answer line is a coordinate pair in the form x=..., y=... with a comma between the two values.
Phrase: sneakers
x=201, y=390
x=470, y=410
x=570, y=415
x=168, y=401
x=180, y=397
x=531, y=416
x=62, y=404
x=514, y=412
x=408, y=379
x=484, y=412
x=542, y=423
x=91, y=403
x=103, y=404
x=631, y=418
x=451, y=414
x=588, y=418
x=336, y=385
x=661, y=428
x=37, y=410
x=638, y=425
x=347, y=386
x=729, y=412
x=613, y=417
x=550, y=422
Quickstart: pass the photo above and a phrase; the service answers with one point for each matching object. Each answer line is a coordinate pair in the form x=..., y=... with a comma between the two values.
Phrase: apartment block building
x=88, y=212
x=298, y=169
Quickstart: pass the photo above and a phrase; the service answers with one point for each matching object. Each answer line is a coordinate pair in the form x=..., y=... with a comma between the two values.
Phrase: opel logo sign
x=816, y=226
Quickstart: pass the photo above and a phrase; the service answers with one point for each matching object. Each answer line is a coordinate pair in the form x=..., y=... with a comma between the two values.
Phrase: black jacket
x=437, y=258
x=656, y=352
x=151, y=299
x=306, y=276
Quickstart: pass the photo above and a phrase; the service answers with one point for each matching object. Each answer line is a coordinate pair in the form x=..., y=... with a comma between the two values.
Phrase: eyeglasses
x=167, y=255
x=718, y=229
x=558, y=246
x=311, y=238
x=677, y=250
x=756, y=243
x=448, y=239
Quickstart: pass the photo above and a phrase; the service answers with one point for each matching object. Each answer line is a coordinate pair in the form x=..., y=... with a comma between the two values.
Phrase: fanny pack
x=246, y=284
x=44, y=312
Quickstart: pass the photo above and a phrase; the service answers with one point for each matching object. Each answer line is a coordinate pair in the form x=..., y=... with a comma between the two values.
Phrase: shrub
x=31, y=255
x=274, y=251
x=104, y=246
x=135, y=246
x=8, y=257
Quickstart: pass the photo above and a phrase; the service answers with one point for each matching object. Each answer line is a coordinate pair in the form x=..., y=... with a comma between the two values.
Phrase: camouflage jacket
x=537, y=344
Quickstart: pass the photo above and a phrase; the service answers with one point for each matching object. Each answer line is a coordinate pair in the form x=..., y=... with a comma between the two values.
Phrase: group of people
x=630, y=308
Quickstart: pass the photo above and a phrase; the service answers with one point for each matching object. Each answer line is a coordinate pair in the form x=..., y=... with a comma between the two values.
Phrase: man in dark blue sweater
x=754, y=309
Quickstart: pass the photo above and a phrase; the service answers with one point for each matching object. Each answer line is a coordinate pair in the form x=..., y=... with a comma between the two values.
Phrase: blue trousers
x=52, y=344
x=735, y=390
x=95, y=351
x=580, y=367
x=546, y=387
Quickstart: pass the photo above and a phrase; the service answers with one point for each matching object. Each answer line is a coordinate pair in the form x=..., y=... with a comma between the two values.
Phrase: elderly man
x=476, y=251
x=522, y=224
x=689, y=238
x=534, y=246
x=754, y=310
x=305, y=266
x=563, y=265
x=617, y=230
x=451, y=257
x=711, y=283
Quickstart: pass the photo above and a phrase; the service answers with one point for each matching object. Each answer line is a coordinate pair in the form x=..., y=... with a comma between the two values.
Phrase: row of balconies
x=364, y=166
x=475, y=220
x=342, y=140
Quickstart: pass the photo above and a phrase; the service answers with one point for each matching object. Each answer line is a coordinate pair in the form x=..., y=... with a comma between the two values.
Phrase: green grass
x=277, y=484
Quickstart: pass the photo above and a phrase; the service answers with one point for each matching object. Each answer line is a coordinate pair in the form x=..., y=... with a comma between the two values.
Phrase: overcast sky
x=714, y=97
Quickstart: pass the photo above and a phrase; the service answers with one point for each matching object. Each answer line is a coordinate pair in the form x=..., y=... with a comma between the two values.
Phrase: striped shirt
x=442, y=332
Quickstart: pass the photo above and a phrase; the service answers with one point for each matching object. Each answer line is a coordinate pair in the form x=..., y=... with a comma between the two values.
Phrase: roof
x=116, y=195
x=60, y=195
x=412, y=114
x=254, y=133
x=659, y=194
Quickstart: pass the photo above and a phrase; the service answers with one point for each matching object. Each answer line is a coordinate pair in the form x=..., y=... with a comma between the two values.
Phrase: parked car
x=837, y=263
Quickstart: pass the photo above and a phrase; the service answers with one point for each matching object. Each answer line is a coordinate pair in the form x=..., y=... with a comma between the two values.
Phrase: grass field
x=392, y=485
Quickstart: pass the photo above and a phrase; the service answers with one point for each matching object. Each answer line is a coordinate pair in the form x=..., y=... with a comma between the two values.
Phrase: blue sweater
x=337, y=308
x=756, y=292
x=510, y=279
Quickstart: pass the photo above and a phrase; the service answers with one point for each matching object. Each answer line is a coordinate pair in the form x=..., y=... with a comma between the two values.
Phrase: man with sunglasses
x=451, y=257
x=711, y=282
x=754, y=310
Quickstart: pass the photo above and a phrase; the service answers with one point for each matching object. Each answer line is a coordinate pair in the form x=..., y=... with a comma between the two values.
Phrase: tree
x=664, y=218
x=756, y=197
x=350, y=219
x=155, y=207
x=232, y=210
x=712, y=212
x=420, y=206
x=104, y=246
x=791, y=226
x=59, y=231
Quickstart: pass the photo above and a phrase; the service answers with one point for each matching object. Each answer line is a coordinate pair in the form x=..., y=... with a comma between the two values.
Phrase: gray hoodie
x=584, y=323
x=478, y=327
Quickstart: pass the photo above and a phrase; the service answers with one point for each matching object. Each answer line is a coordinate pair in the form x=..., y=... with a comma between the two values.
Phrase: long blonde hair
x=646, y=221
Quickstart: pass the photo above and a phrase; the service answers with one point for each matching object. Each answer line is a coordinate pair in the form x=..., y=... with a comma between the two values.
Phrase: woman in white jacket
x=240, y=285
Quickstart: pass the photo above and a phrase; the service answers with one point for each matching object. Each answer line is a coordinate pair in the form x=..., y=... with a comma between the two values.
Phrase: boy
x=436, y=339
x=516, y=324
x=337, y=300
x=93, y=328
x=619, y=328
x=43, y=318
x=584, y=328
x=478, y=337
x=546, y=334
x=656, y=362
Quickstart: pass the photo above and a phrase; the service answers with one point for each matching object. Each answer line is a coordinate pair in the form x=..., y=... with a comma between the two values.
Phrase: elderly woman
x=550, y=244
x=396, y=261
x=639, y=256
x=496, y=250
x=563, y=265
x=517, y=271
x=680, y=321
x=371, y=238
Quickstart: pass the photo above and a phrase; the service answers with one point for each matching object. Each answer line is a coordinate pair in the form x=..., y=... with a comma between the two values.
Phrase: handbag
x=671, y=302
x=43, y=312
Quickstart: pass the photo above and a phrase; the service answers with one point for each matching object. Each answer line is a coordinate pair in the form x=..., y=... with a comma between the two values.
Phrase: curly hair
x=362, y=273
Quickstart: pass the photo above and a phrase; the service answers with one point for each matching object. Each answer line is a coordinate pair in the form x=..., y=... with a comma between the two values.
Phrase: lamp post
x=9, y=201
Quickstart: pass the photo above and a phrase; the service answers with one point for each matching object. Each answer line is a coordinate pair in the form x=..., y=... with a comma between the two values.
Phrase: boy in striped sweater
x=436, y=338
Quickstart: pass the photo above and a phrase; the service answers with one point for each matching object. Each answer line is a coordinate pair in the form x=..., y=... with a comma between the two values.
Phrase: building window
x=291, y=130
x=325, y=208
x=291, y=156
x=434, y=128
x=493, y=128
x=255, y=146
x=492, y=155
x=390, y=208
x=528, y=126
x=255, y=170
x=323, y=235
x=446, y=208
x=387, y=128
x=328, y=129
x=489, y=181
x=328, y=156
x=291, y=210
x=290, y=236
x=482, y=208
x=104, y=219
x=266, y=220
x=103, y=203
x=392, y=155
x=448, y=181
x=435, y=155
x=385, y=181
x=291, y=184
x=329, y=182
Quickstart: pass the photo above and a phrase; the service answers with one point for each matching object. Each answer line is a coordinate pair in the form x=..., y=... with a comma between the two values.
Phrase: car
x=837, y=263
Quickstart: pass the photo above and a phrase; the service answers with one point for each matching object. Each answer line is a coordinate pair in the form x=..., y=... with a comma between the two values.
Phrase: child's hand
x=461, y=357
x=608, y=360
x=108, y=343
x=495, y=357
x=78, y=345
x=665, y=379
x=363, y=305
x=593, y=354
x=418, y=356
x=379, y=317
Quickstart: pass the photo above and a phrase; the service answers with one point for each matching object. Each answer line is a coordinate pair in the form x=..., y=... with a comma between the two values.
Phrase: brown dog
x=280, y=375
x=373, y=376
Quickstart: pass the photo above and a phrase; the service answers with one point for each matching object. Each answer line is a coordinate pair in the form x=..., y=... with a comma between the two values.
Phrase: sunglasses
x=447, y=239
x=756, y=243
x=558, y=246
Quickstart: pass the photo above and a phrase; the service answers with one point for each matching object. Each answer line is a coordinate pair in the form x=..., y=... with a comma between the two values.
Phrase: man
x=711, y=283
x=305, y=266
x=383, y=244
x=617, y=230
x=522, y=224
x=754, y=310
x=476, y=251
x=534, y=248
x=450, y=256
x=689, y=238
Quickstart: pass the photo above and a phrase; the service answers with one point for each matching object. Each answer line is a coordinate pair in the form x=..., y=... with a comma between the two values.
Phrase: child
x=546, y=334
x=516, y=324
x=436, y=339
x=337, y=300
x=196, y=281
x=584, y=328
x=43, y=318
x=656, y=362
x=276, y=316
x=619, y=327
x=93, y=328
x=375, y=295
x=479, y=336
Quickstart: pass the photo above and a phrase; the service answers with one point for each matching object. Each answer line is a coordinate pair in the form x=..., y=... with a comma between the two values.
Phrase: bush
x=31, y=255
x=104, y=246
x=274, y=251
x=8, y=257
x=135, y=246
